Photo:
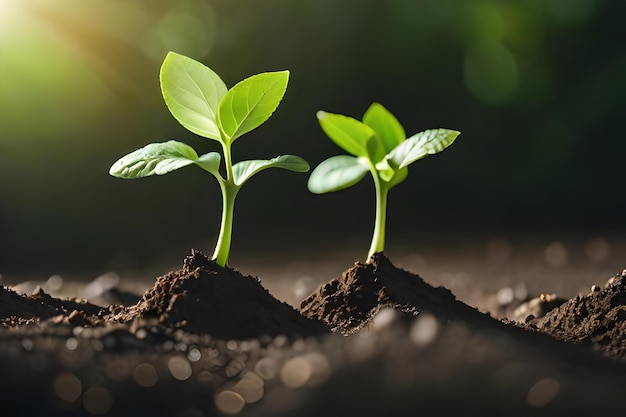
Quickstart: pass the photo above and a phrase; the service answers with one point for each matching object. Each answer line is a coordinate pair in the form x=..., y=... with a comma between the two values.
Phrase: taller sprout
x=198, y=98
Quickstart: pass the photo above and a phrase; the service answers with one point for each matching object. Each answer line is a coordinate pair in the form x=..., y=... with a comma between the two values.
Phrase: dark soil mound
x=597, y=319
x=16, y=308
x=205, y=298
x=351, y=301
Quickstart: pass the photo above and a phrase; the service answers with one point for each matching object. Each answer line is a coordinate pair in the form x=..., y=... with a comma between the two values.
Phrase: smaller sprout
x=379, y=145
x=198, y=98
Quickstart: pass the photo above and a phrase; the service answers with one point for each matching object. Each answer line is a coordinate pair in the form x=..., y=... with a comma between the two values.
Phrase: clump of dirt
x=350, y=302
x=205, y=298
x=16, y=308
x=597, y=319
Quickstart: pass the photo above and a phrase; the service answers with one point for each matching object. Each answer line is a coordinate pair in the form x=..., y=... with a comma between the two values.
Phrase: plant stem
x=229, y=192
x=378, y=239
x=222, y=248
x=228, y=162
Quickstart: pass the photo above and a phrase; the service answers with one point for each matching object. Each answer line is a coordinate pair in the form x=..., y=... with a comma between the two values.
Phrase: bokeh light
x=97, y=400
x=491, y=72
x=67, y=387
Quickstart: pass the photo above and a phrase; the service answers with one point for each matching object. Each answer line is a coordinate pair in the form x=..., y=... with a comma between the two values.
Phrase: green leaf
x=388, y=129
x=154, y=159
x=385, y=171
x=336, y=173
x=398, y=176
x=349, y=134
x=375, y=149
x=421, y=144
x=242, y=171
x=250, y=103
x=390, y=175
x=210, y=162
x=192, y=92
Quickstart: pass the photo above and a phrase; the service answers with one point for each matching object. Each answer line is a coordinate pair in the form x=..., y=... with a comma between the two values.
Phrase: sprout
x=378, y=145
x=198, y=98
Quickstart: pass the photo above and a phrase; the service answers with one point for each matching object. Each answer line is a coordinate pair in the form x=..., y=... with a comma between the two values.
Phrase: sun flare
x=11, y=13
x=61, y=57
x=7, y=8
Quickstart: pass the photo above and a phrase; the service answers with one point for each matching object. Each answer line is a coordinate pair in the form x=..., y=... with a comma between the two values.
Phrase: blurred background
x=537, y=88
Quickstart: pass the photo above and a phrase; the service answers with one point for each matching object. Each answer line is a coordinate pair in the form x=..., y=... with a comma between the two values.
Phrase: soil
x=377, y=340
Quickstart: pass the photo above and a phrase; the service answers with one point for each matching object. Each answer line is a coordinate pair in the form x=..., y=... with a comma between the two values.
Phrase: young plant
x=198, y=98
x=378, y=145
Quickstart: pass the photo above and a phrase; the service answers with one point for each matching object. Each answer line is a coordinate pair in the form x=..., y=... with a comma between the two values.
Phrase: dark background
x=537, y=88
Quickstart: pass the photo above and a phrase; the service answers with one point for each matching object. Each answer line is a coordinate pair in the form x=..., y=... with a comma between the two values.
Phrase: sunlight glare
x=66, y=62
x=10, y=11
x=7, y=8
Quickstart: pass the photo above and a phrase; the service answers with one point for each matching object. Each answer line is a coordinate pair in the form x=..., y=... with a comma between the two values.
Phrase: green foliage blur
x=538, y=88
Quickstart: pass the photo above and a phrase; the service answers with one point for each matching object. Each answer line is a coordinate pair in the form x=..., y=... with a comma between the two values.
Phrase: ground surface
x=374, y=340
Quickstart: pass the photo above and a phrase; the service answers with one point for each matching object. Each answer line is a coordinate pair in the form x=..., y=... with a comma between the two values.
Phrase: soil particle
x=536, y=307
x=205, y=298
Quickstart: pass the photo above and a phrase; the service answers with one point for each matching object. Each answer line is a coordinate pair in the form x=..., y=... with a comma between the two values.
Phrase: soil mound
x=597, y=319
x=349, y=302
x=17, y=308
x=205, y=298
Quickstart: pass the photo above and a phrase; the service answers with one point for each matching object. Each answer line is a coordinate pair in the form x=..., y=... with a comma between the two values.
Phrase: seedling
x=198, y=98
x=378, y=145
